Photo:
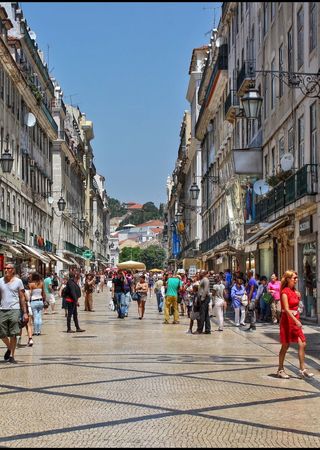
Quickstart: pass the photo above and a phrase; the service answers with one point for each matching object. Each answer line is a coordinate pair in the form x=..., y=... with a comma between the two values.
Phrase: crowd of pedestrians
x=203, y=297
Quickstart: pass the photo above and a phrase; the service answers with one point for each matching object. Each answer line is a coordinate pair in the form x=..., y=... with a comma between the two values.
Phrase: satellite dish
x=50, y=200
x=287, y=161
x=30, y=120
x=261, y=187
x=32, y=35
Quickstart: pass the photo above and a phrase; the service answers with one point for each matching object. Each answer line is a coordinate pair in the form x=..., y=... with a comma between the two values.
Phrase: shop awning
x=52, y=257
x=72, y=260
x=63, y=260
x=250, y=244
x=36, y=254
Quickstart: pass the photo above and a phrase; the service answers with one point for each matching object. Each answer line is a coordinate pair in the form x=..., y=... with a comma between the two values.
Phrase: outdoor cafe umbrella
x=131, y=265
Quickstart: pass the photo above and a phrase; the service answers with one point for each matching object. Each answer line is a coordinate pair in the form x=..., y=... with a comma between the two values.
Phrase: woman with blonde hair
x=290, y=325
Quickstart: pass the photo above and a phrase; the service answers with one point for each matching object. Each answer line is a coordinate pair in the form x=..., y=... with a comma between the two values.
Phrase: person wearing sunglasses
x=13, y=303
x=290, y=325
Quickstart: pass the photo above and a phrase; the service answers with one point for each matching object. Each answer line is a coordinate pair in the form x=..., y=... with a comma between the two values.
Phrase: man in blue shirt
x=251, y=290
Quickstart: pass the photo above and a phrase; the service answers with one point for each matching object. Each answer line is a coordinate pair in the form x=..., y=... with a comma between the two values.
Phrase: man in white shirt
x=13, y=302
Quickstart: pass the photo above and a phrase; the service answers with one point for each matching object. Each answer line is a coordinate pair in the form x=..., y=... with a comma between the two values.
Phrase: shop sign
x=305, y=226
x=1, y=262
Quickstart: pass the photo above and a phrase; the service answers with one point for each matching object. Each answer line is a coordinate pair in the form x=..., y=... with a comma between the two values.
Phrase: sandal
x=305, y=374
x=281, y=374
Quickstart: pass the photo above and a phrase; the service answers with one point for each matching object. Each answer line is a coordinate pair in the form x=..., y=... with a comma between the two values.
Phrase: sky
x=126, y=66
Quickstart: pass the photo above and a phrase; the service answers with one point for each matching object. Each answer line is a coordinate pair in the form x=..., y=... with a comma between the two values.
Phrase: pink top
x=276, y=286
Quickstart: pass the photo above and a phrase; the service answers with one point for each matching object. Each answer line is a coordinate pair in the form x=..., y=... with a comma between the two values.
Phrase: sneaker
x=275, y=322
x=189, y=332
x=11, y=360
x=282, y=374
x=242, y=324
x=7, y=355
x=305, y=374
x=30, y=343
x=237, y=324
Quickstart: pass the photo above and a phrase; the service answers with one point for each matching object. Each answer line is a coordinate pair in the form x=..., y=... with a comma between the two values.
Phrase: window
x=265, y=18
x=291, y=141
x=301, y=141
x=273, y=10
x=273, y=86
x=273, y=160
x=281, y=148
x=290, y=51
x=280, y=69
x=312, y=26
x=8, y=207
x=300, y=19
x=313, y=133
x=266, y=165
x=265, y=96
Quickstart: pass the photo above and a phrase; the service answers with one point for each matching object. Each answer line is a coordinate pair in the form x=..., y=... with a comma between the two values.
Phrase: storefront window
x=308, y=280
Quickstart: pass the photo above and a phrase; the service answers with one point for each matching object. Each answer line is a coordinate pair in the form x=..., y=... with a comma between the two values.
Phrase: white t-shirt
x=219, y=289
x=9, y=293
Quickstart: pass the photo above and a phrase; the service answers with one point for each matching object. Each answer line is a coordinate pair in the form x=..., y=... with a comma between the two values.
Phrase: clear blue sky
x=127, y=66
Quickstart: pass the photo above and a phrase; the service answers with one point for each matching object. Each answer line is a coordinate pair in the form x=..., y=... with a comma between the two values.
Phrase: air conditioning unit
x=15, y=228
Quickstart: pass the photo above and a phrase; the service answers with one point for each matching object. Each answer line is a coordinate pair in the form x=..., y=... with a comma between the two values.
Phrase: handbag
x=267, y=297
x=244, y=300
x=136, y=296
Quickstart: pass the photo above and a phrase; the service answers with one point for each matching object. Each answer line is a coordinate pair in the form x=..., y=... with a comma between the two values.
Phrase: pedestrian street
x=140, y=383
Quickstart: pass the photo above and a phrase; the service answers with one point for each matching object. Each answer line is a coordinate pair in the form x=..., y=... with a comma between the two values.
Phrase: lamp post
x=6, y=159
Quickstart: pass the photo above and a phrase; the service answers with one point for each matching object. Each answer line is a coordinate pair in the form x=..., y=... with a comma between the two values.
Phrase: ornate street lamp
x=6, y=159
x=62, y=204
x=194, y=191
x=252, y=102
x=82, y=222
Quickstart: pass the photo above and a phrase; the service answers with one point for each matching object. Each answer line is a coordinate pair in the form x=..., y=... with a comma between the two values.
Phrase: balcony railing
x=303, y=182
x=62, y=135
x=49, y=117
x=245, y=76
x=58, y=103
x=232, y=102
x=215, y=240
x=220, y=64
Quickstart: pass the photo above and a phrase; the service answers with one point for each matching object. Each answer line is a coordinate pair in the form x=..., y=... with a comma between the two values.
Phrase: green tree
x=117, y=209
x=153, y=257
x=130, y=254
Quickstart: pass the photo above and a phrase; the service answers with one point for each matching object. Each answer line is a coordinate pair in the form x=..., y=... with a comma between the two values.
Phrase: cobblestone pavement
x=132, y=383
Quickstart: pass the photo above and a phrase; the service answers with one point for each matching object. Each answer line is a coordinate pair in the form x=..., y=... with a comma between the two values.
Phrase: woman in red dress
x=290, y=325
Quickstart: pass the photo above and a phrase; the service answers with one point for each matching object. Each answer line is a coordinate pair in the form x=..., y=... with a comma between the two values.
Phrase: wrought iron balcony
x=245, y=76
x=231, y=105
x=215, y=240
x=303, y=182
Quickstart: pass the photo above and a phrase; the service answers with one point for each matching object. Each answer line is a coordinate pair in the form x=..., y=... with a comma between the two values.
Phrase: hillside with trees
x=148, y=212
